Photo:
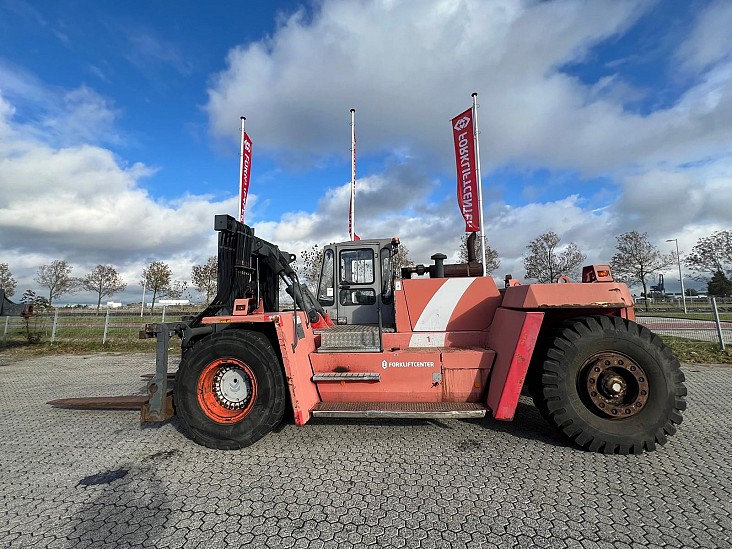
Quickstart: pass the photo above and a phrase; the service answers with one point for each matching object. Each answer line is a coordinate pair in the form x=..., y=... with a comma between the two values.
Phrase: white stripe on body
x=439, y=309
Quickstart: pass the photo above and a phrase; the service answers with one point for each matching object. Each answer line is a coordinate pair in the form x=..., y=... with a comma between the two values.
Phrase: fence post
x=716, y=320
x=55, y=323
x=163, y=320
x=106, y=328
x=5, y=333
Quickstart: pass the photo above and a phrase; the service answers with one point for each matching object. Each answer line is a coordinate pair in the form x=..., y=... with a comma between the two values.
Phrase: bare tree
x=57, y=278
x=401, y=258
x=7, y=282
x=546, y=262
x=637, y=259
x=176, y=290
x=157, y=277
x=711, y=254
x=40, y=303
x=489, y=255
x=312, y=260
x=205, y=277
x=104, y=280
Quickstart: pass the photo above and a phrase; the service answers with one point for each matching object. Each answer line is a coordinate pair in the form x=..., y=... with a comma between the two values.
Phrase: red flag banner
x=246, y=171
x=467, y=171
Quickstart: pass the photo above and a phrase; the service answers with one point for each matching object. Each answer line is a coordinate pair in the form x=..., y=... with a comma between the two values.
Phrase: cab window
x=357, y=266
x=326, y=294
x=387, y=277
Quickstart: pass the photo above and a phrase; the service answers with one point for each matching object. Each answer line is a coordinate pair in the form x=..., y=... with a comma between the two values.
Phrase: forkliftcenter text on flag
x=245, y=170
x=467, y=162
x=352, y=204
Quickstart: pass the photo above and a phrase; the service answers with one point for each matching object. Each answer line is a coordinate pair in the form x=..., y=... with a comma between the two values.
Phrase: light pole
x=681, y=278
x=142, y=306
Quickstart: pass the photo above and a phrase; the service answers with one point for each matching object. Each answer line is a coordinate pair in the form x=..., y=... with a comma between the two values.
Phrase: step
x=347, y=376
x=400, y=410
x=355, y=349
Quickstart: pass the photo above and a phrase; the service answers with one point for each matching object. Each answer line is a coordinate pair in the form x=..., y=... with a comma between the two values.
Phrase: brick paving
x=97, y=479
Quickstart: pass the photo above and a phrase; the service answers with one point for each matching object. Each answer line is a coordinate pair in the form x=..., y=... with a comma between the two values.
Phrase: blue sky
x=119, y=125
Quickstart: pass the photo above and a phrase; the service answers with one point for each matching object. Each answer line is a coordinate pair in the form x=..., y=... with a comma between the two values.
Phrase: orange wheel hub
x=227, y=390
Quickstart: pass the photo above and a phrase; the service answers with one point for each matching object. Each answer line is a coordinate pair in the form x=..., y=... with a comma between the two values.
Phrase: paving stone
x=344, y=483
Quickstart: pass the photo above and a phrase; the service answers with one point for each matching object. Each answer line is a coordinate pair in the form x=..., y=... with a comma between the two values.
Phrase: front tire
x=230, y=390
x=610, y=385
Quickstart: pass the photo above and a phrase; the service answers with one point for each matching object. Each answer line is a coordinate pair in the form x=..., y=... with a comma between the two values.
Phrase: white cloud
x=58, y=115
x=80, y=204
x=710, y=40
x=406, y=71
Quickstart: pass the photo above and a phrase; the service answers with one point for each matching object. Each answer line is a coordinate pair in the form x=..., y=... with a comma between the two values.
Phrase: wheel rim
x=614, y=386
x=227, y=390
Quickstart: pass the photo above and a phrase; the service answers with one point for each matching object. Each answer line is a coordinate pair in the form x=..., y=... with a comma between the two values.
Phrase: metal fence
x=700, y=324
x=75, y=326
x=70, y=325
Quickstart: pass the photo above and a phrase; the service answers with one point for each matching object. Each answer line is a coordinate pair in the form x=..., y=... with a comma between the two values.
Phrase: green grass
x=698, y=352
x=16, y=350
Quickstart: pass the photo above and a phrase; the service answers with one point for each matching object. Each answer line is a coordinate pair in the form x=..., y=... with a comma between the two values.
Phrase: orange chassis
x=473, y=345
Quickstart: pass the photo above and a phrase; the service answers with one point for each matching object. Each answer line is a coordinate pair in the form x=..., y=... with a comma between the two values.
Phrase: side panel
x=405, y=376
x=450, y=304
x=303, y=392
x=410, y=375
x=602, y=295
x=513, y=337
x=465, y=374
x=394, y=341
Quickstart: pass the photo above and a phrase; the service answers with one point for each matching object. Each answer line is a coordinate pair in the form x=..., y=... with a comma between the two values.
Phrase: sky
x=120, y=126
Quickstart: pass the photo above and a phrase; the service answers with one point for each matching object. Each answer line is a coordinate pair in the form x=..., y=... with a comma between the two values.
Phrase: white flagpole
x=241, y=169
x=480, y=184
x=353, y=174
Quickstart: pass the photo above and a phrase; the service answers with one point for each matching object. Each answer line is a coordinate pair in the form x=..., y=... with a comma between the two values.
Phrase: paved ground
x=95, y=479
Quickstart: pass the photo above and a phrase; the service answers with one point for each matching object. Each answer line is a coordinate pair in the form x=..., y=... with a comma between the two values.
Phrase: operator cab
x=356, y=283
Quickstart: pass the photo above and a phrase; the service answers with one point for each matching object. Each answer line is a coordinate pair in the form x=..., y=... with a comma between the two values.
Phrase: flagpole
x=241, y=170
x=353, y=175
x=480, y=183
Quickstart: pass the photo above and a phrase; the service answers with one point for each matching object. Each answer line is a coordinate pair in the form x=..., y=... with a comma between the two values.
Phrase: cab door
x=356, y=280
x=358, y=283
x=350, y=282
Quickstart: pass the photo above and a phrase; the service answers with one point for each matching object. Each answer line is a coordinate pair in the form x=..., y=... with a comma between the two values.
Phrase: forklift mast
x=250, y=268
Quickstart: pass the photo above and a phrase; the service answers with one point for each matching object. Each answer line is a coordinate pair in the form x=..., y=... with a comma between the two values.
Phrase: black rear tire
x=230, y=390
x=610, y=385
